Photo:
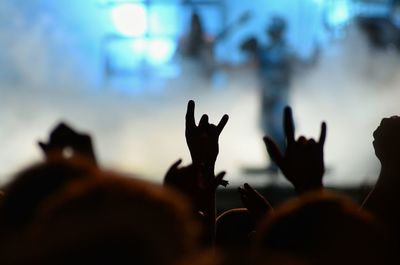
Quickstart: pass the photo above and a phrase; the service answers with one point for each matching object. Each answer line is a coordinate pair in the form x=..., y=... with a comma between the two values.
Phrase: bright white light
x=340, y=13
x=139, y=46
x=160, y=51
x=130, y=19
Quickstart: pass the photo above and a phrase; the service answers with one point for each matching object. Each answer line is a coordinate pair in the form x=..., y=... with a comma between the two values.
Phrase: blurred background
x=124, y=71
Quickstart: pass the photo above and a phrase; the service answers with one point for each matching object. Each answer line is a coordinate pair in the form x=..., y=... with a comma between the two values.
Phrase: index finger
x=190, y=121
x=222, y=123
x=288, y=125
x=322, y=136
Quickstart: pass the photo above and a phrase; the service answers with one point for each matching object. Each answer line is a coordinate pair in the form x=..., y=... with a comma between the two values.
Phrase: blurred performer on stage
x=193, y=45
x=274, y=64
x=196, y=48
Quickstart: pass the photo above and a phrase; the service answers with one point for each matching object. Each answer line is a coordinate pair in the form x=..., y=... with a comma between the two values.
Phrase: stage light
x=139, y=43
x=130, y=19
x=139, y=46
x=160, y=51
x=340, y=13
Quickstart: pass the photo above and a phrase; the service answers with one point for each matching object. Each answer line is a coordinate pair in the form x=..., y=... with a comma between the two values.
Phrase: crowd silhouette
x=67, y=209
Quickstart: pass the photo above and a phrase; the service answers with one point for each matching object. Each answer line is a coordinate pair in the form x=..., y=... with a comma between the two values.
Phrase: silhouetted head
x=113, y=220
x=234, y=229
x=26, y=194
x=387, y=141
x=276, y=28
x=34, y=185
x=324, y=228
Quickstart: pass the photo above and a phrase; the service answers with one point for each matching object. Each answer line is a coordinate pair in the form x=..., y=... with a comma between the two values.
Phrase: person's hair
x=234, y=229
x=30, y=187
x=25, y=194
x=114, y=220
x=324, y=228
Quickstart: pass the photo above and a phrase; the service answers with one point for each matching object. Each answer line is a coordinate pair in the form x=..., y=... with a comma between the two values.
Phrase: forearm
x=383, y=193
x=208, y=202
x=209, y=221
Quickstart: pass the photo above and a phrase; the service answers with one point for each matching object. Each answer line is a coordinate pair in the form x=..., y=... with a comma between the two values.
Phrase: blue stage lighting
x=130, y=19
x=340, y=13
x=143, y=38
x=160, y=51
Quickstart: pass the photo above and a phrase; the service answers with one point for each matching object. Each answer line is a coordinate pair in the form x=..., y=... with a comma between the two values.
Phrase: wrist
x=205, y=168
x=306, y=187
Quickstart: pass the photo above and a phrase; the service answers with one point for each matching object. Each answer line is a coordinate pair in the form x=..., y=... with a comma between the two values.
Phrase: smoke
x=36, y=52
x=353, y=87
x=47, y=74
x=43, y=79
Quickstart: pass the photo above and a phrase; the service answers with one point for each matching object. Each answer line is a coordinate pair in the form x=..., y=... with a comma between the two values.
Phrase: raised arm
x=198, y=181
x=384, y=199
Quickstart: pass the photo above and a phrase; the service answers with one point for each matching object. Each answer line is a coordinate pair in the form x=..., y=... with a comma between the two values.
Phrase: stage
x=139, y=130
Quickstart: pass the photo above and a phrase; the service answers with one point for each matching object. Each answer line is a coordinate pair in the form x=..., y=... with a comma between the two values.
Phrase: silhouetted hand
x=200, y=188
x=202, y=140
x=387, y=142
x=191, y=182
x=64, y=139
x=255, y=203
x=303, y=160
x=384, y=200
x=198, y=181
x=387, y=149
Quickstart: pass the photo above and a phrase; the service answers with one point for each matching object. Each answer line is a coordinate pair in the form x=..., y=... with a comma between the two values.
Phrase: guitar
x=204, y=48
